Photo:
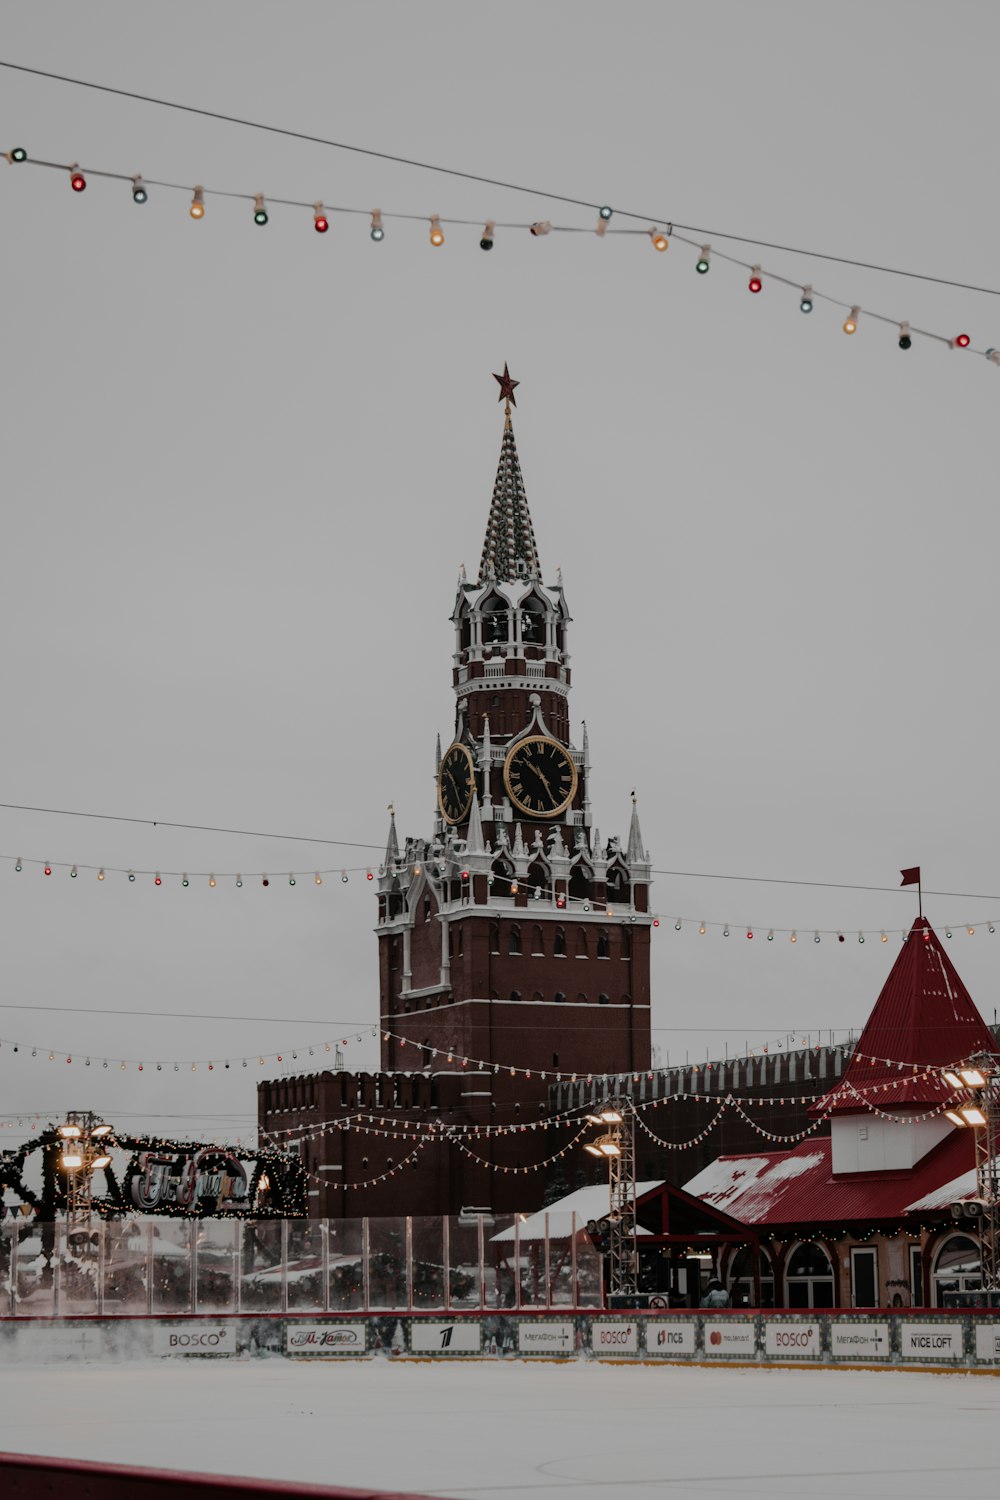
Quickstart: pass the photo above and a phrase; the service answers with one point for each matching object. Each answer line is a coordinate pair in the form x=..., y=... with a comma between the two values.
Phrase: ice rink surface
x=510, y=1428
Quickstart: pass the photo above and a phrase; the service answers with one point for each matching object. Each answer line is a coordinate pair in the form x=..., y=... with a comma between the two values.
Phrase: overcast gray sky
x=242, y=468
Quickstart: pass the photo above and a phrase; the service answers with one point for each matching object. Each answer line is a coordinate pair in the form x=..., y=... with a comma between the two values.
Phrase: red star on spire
x=506, y=385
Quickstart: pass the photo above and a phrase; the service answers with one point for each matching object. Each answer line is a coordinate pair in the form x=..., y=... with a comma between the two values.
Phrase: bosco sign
x=321, y=1340
x=614, y=1338
x=196, y=1338
x=792, y=1340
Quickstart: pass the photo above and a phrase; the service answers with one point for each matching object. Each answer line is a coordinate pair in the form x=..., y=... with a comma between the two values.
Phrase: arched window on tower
x=514, y=942
x=494, y=621
x=537, y=942
x=626, y=944
x=579, y=883
x=395, y=900
x=465, y=630
x=619, y=889
x=494, y=937
x=503, y=874
x=533, y=621
x=603, y=943
x=559, y=945
x=582, y=950
x=539, y=881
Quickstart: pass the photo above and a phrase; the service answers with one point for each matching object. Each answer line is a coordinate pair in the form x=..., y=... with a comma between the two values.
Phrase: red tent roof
x=798, y=1186
x=924, y=1017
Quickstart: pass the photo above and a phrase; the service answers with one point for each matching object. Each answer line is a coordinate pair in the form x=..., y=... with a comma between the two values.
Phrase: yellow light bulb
x=659, y=239
x=794, y=937
x=318, y=878
x=212, y=881
x=851, y=321
x=197, y=209
x=437, y=233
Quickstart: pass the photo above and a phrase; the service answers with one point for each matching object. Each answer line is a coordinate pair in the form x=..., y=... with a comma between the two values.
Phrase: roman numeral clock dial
x=540, y=777
x=456, y=783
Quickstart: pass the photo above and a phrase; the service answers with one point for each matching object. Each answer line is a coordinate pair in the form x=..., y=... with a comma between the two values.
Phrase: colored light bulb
x=702, y=266
x=239, y=882
x=320, y=221
x=18, y=866
x=18, y=154
x=48, y=869
x=905, y=341
x=369, y=875
x=259, y=211
x=606, y=213
x=486, y=243
x=755, y=283
x=378, y=232
x=541, y=226
x=851, y=321
x=77, y=181
x=656, y=921
x=156, y=879
x=131, y=876
x=806, y=302
x=212, y=882
x=659, y=239
x=343, y=876
x=961, y=341
x=794, y=938
x=185, y=882
x=139, y=194
x=318, y=879
x=264, y=880
x=437, y=233
x=100, y=874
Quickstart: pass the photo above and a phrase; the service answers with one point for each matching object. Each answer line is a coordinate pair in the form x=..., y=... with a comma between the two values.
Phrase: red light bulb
x=755, y=282
x=77, y=181
x=48, y=869
x=962, y=341
x=320, y=221
x=369, y=875
x=157, y=880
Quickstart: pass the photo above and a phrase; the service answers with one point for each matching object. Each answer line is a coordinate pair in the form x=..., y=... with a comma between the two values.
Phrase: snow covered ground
x=510, y=1428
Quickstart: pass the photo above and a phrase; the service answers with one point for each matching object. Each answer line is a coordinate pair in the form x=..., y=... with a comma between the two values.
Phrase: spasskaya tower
x=514, y=935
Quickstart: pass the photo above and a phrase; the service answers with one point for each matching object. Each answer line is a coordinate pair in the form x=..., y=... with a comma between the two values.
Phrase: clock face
x=456, y=783
x=540, y=777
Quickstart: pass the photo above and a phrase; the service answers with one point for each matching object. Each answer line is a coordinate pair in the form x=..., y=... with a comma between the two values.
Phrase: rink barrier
x=872, y=1338
x=31, y=1478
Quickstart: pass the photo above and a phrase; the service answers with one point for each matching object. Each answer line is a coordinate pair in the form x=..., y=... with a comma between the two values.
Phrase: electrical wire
x=829, y=885
x=489, y=181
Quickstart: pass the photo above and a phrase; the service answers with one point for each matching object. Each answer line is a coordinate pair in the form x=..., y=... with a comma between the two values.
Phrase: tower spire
x=636, y=855
x=509, y=550
x=392, y=842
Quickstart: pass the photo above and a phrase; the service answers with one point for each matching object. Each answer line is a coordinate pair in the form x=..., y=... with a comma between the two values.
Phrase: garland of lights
x=807, y=295
x=562, y=902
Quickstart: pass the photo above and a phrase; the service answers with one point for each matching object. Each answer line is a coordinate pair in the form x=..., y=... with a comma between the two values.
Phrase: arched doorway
x=741, y=1292
x=957, y=1268
x=809, y=1277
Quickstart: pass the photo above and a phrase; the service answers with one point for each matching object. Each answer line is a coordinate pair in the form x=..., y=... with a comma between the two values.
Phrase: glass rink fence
x=172, y=1266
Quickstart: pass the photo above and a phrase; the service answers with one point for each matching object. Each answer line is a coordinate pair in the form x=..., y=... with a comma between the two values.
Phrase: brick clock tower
x=514, y=935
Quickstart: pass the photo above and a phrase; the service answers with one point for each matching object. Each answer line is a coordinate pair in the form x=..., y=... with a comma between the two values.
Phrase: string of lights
x=211, y=880
x=808, y=295
x=424, y=166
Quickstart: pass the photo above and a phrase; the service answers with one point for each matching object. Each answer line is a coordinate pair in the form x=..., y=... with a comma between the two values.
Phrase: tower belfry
x=513, y=934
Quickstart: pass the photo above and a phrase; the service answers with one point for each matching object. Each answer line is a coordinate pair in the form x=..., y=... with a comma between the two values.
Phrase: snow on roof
x=586, y=1203
x=752, y=1182
x=959, y=1187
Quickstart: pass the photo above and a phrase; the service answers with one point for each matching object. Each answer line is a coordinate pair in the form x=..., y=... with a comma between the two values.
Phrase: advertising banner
x=614, y=1338
x=792, y=1340
x=669, y=1339
x=931, y=1342
x=196, y=1338
x=859, y=1340
x=325, y=1339
x=988, y=1342
x=732, y=1338
x=460, y=1337
x=546, y=1338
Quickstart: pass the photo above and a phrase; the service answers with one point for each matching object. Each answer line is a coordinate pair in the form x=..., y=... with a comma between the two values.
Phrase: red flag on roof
x=910, y=877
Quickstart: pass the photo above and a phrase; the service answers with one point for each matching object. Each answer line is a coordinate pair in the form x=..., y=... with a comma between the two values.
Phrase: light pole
x=617, y=1144
x=83, y=1154
x=979, y=1111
